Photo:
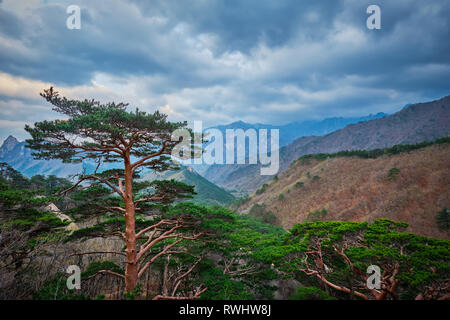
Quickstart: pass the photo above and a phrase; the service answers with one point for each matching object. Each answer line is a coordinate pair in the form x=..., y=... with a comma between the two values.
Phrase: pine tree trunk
x=131, y=270
x=165, y=285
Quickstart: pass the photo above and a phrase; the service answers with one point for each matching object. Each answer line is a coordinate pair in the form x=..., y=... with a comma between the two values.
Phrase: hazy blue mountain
x=288, y=132
x=291, y=131
x=16, y=155
x=20, y=158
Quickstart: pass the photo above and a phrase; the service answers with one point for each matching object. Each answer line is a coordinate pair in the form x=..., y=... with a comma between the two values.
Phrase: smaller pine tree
x=443, y=219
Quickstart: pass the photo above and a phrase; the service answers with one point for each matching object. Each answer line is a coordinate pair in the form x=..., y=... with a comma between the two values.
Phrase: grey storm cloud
x=221, y=61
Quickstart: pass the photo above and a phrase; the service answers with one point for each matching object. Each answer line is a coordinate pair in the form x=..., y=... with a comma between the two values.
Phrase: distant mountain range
x=288, y=132
x=414, y=123
x=16, y=155
x=291, y=131
x=20, y=158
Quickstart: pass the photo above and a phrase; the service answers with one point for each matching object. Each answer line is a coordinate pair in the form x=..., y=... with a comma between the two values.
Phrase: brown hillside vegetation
x=357, y=189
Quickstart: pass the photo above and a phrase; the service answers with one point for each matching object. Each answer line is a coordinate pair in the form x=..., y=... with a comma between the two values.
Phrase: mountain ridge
x=416, y=123
x=297, y=129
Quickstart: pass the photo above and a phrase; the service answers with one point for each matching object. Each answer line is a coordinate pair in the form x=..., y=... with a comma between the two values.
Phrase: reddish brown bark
x=131, y=269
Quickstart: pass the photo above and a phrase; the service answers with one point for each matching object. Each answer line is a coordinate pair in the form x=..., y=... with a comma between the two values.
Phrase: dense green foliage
x=56, y=289
x=420, y=261
x=242, y=254
x=25, y=225
x=310, y=293
x=230, y=239
x=22, y=201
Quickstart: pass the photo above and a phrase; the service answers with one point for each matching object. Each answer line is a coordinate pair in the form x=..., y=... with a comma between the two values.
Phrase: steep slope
x=415, y=123
x=410, y=186
x=207, y=192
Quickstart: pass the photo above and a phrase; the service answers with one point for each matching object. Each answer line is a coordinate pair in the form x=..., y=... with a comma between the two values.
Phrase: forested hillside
x=407, y=183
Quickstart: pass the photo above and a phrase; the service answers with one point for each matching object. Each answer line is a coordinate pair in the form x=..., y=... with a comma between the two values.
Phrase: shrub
x=317, y=215
x=262, y=189
x=133, y=294
x=422, y=262
x=299, y=184
x=56, y=289
x=393, y=173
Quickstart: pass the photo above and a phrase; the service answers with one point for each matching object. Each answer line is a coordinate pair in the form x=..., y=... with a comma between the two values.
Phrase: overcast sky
x=273, y=61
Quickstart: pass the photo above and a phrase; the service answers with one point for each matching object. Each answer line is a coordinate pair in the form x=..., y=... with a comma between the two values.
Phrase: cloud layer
x=222, y=61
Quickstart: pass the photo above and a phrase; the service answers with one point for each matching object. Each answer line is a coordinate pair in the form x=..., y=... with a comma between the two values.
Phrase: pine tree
x=110, y=133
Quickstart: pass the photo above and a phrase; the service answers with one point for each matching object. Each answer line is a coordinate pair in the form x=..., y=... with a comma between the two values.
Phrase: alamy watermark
x=74, y=19
x=74, y=280
x=374, y=280
x=374, y=20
